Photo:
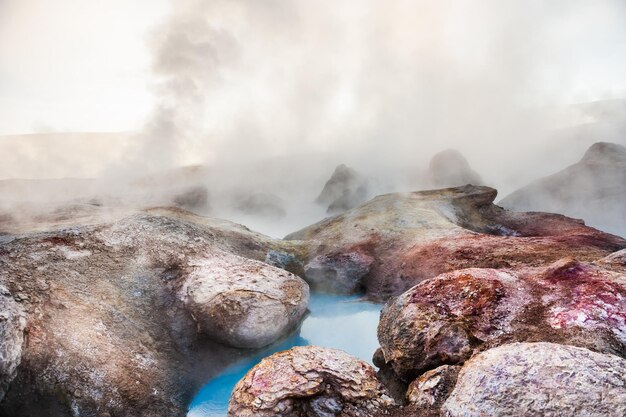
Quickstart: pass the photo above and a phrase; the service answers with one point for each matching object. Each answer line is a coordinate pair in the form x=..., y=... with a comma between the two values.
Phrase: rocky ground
x=127, y=317
x=395, y=241
x=110, y=312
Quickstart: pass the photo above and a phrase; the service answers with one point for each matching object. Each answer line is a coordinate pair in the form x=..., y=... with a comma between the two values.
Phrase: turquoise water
x=335, y=321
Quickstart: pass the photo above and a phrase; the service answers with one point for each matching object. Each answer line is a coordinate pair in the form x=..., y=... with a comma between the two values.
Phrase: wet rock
x=593, y=189
x=540, y=379
x=345, y=189
x=243, y=303
x=119, y=311
x=309, y=381
x=449, y=168
x=433, y=387
x=411, y=237
x=445, y=320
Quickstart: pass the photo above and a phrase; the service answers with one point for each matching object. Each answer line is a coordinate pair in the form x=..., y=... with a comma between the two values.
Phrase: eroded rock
x=309, y=381
x=415, y=236
x=118, y=307
x=433, y=387
x=540, y=379
x=446, y=319
x=241, y=302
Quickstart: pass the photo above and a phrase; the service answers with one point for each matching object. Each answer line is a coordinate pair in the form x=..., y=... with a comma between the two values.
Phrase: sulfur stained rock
x=411, y=237
x=535, y=379
x=309, y=381
x=445, y=320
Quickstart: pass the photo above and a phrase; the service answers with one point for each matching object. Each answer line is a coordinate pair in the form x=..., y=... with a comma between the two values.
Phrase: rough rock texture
x=446, y=319
x=593, y=189
x=309, y=381
x=540, y=379
x=433, y=387
x=241, y=302
x=345, y=189
x=120, y=312
x=415, y=236
x=449, y=168
x=12, y=324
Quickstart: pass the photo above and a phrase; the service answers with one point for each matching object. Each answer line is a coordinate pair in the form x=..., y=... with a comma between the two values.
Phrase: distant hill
x=593, y=189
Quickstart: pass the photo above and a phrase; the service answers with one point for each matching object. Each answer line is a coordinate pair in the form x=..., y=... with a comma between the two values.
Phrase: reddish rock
x=431, y=389
x=445, y=320
x=309, y=381
x=415, y=236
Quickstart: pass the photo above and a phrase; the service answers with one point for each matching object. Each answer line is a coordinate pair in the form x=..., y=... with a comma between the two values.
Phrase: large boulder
x=593, y=189
x=445, y=320
x=534, y=379
x=309, y=381
x=345, y=189
x=449, y=168
x=241, y=302
x=395, y=241
x=123, y=313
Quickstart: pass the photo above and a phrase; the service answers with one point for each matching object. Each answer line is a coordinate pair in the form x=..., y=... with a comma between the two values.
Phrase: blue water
x=335, y=321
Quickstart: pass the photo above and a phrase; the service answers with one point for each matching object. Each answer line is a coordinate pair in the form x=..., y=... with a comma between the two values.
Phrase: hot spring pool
x=341, y=322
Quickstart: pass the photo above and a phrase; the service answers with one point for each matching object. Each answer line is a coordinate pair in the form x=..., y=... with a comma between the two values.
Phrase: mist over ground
x=269, y=97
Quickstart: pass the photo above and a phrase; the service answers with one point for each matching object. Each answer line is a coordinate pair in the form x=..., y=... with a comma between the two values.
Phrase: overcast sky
x=85, y=65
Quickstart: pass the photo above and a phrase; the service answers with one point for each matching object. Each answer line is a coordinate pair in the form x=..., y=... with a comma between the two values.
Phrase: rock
x=122, y=316
x=593, y=189
x=345, y=189
x=433, y=387
x=262, y=204
x=446, y=319
x=449, y=168
x=338, y=273
x=540, y=379
x=12, y=323
x=192, y=198
x=615, y=261
x=309, y=381
x=243, y=303
x=410, y=237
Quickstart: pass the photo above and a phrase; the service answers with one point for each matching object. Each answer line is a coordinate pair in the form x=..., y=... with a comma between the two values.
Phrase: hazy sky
x=85, y=65
x=75, y=65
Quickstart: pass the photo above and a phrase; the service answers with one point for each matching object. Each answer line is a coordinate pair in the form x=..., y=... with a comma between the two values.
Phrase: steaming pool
x=341, y=322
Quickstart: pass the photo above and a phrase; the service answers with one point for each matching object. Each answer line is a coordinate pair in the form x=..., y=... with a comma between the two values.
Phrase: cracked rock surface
x=309, y=381
x=447, y=319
